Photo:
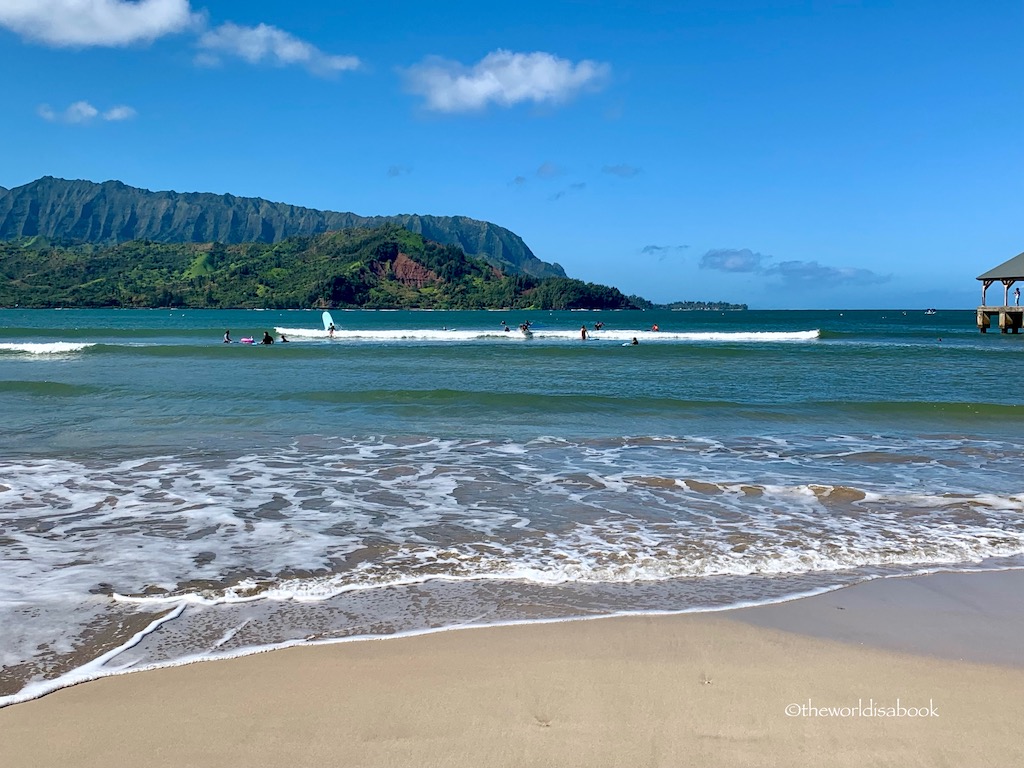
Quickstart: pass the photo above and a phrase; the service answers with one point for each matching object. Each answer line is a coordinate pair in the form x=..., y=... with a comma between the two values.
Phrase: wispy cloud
x=518, y=181
x=578, y=187
x=84, y=112
x=264, y=43
x=732, y=260
x=548, y=170
x=96, y=22
x=120, y=113
x=504, y=78
x=791, y=272
x=663, y=251
x=399, y=170
x=622, y=171
x=813, y=272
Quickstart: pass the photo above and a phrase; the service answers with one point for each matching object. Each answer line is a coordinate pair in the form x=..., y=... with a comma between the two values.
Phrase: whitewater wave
x=554, y=334
x=46, y=348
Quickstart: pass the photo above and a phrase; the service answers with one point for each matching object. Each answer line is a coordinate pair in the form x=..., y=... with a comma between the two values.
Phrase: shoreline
x=802, y=617
x=712, y=688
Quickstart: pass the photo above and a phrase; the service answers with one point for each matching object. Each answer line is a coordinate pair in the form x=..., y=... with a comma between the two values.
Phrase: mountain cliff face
x=112, y=212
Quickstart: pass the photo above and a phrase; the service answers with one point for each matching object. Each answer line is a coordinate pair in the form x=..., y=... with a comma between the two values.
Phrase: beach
x=708, y=689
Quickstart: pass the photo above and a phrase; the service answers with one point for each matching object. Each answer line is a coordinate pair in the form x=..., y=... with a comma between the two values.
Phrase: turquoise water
x=191, y=499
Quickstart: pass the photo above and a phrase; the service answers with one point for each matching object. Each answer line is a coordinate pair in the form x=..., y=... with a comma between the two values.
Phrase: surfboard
x=328, y=320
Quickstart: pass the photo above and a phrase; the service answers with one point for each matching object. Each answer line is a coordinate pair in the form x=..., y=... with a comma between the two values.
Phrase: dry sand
x=690, y=690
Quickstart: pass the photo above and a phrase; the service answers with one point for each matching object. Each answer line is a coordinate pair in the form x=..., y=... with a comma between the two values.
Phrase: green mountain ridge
x=382, y=267
x=84, y=212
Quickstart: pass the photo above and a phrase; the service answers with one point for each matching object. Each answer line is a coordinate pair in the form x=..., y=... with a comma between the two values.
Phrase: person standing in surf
x=330, y=331
x=227, y=336
x=583, y=332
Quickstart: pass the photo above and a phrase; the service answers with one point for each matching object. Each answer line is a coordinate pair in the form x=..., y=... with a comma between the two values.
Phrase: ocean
x=167, y=498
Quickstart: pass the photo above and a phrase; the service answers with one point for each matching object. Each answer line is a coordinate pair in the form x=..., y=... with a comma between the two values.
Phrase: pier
x=1009, y=317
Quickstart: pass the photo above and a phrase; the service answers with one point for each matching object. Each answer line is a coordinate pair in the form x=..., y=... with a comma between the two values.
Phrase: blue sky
x=782, y=154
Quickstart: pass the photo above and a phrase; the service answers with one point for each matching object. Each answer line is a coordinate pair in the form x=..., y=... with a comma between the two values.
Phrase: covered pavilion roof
x=1008, y=270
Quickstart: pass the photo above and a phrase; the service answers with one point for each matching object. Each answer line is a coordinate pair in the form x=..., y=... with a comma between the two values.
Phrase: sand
x=688, y=690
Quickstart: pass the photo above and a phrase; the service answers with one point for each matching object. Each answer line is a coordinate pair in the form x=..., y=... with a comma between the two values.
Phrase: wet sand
x=754, y=687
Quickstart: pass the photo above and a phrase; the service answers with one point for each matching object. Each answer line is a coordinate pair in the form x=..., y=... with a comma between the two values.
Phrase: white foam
x=46, y=348
x=363, y=515
x=91, y=670
x=549, y=334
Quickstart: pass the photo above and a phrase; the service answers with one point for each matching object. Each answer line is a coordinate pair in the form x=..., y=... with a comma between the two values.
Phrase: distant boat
x=930, y=312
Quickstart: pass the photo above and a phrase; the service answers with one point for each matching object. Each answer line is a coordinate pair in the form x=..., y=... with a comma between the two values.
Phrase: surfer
x=267, y=338
x=330, y=330
x=634, y=342
x=227, y=336
x=284, y=339
x=583, y=332
x=654, y=327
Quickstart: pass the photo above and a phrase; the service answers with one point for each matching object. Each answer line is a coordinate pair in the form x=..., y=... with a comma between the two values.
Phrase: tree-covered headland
x=384, y=267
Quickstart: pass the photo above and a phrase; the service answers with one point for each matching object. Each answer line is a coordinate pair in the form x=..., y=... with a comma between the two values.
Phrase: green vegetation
x=384, y=267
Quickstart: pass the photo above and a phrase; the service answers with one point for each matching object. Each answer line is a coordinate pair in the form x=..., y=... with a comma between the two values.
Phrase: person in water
x=583, y=332
x=267, y=338
x=330, y=330
x=634, y=342
x=227, y=336
x=284, y=339
x=654, y=327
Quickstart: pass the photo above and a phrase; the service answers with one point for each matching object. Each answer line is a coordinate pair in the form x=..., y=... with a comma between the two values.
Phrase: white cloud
x=95, y=22
x=80, y=112
x=121, y=112
x=84, y=112
x=733, y=260
x=504, y=78
x=267, y=43
x=86, y=23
